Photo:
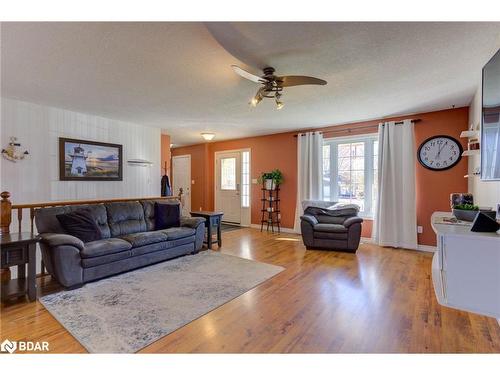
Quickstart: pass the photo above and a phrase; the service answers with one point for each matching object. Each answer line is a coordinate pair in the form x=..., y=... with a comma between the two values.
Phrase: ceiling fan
x=272, y=85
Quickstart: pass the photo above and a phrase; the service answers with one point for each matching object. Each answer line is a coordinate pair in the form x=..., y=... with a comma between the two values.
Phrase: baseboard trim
x=282, y=229
x=367, y=240
x=426, y=248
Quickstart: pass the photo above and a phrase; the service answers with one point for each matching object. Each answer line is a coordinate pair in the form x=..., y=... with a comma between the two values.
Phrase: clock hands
x=440, y=148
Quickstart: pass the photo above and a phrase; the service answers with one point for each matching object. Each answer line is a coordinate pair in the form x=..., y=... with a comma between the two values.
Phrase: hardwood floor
x=379, y=300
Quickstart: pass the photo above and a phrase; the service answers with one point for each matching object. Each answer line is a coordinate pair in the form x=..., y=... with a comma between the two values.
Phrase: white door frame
x=246, y=212
x=175, y=193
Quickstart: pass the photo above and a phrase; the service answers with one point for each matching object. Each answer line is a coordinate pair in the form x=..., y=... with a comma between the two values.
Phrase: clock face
x=439, y=153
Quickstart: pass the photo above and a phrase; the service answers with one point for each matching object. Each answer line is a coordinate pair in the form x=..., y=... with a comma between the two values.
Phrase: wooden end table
x=212, y=219
x=19, y=249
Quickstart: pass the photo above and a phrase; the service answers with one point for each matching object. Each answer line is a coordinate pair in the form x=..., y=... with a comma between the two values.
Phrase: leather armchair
x=322, y=228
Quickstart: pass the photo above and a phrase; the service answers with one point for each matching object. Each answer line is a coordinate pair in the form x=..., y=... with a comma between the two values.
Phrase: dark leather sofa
x=338, y=229
x=129, y=241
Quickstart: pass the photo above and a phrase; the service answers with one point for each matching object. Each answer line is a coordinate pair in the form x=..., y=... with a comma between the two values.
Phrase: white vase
x=269, y=184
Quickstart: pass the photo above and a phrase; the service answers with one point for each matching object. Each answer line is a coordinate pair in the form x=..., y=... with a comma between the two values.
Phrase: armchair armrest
x=59, y=239
x=191, y=222
x=352, y=220
x=309, y=219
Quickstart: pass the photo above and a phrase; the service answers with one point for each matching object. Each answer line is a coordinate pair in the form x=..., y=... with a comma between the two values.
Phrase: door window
x=228, y=174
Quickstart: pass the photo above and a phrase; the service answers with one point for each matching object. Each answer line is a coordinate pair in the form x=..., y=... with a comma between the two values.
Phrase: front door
x=181, y=178
x=228, y=183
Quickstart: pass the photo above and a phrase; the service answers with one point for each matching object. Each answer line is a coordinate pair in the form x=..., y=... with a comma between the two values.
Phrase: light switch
x=192, y=182
x=254, y=181
x=420, y=229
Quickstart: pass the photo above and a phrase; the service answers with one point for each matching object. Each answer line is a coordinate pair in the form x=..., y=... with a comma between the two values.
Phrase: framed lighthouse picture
x=81, y=160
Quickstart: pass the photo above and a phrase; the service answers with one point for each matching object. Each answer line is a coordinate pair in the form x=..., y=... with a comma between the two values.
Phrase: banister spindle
x=32, y=218
x=20, y=219
x=5, y=212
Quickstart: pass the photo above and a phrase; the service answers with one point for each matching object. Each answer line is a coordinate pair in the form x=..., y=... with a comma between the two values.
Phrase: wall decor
x=439, y=152
x=89, y=161
x=12, y=152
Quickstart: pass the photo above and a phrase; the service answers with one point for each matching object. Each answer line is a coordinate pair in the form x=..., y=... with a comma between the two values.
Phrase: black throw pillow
x=81, y=224
x=167, y=215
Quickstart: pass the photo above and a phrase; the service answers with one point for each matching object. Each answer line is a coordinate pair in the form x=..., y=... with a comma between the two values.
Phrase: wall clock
x=439, y=152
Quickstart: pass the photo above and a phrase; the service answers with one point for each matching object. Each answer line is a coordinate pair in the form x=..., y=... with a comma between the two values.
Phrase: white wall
x=38, y=129
x=486, y=193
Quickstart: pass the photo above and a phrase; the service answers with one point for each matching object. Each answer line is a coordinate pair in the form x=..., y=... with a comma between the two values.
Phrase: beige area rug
x=125, y=313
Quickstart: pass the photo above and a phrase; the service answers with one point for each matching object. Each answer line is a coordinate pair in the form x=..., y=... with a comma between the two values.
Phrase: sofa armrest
x=309, y=219
x=352, y=220
x=59, y=239
x=191, y=222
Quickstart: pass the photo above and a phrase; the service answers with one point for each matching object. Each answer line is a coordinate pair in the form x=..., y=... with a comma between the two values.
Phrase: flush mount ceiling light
x=272, y=86
x=208, y=136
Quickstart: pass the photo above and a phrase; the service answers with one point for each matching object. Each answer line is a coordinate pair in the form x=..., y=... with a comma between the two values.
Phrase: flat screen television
x=490, y=120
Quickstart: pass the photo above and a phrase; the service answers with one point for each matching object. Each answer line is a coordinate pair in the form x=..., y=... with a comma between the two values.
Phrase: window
x=350, y=171
x=228, y=174
x=245, y=179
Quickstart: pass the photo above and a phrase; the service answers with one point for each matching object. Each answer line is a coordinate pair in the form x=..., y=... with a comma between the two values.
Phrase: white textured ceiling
x=177, y=76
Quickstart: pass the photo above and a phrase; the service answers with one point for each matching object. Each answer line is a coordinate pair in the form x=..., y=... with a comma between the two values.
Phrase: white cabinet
x=466, y=268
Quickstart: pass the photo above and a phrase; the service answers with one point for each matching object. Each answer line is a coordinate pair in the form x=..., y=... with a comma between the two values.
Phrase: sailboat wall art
x=89, y=161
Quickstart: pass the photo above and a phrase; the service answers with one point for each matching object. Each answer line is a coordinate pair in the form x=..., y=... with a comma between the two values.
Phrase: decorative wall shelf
x=139, y=162
x=470, y=152
x=469, y=134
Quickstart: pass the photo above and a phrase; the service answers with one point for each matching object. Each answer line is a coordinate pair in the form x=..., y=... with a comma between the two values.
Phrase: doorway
x=232, y=186
x=181, y=178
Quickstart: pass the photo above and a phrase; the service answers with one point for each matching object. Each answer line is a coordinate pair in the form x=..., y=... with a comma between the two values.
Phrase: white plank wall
x=38, y=129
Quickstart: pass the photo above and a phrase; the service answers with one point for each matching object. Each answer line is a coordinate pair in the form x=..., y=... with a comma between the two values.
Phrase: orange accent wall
x=280, y=151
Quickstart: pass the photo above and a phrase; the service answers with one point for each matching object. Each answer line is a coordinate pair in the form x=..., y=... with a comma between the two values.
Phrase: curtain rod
x=359, y=128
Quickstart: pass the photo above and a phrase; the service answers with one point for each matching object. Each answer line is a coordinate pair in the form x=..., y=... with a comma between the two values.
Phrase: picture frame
x=84, y=160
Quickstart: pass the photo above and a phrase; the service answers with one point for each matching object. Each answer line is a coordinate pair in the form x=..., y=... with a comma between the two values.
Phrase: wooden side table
x=19, y=249
x=212, y=219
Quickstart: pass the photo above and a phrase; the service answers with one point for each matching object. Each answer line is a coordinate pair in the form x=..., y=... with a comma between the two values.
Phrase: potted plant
x=465, y=211
x=271, y=179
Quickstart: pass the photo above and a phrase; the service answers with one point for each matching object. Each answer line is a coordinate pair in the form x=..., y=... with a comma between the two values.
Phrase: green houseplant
x=271, y=179
x=465, y=211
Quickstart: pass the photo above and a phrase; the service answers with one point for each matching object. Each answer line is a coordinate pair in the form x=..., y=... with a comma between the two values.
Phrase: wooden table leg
x=21, y=271
x=209, y=234
x=219, y=235
x=32, y=272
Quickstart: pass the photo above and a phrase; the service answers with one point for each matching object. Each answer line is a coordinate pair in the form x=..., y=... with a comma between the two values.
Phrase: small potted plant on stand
x=271, y=179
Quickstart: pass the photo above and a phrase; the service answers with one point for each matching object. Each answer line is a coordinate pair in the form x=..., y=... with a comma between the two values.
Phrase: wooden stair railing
x=7, y=208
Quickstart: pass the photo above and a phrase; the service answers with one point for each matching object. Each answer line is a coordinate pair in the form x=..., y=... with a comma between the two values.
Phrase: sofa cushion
x=149, y=210
x=167, y=215
x=80, y=224
x=46, y=220
x=144, y=238
x=104, y=247
x=330, y=228
x=331, y=235
x=163, y=246
x=125, y=218
x=105, y=259
x=179, y=232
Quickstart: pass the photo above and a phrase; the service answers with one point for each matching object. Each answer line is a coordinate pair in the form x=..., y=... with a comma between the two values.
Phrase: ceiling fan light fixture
x=256, y=99
x=208, y=136
x=279, y=103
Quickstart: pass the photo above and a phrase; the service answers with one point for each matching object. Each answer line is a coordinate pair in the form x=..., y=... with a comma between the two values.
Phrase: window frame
x=368, y=140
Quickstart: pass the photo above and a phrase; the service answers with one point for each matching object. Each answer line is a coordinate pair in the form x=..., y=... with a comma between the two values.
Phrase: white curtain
x=396, y=213
x=309, y=171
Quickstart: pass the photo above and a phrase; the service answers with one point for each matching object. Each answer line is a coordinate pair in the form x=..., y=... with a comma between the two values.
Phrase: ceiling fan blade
x=287, y=81
x=243, y=73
